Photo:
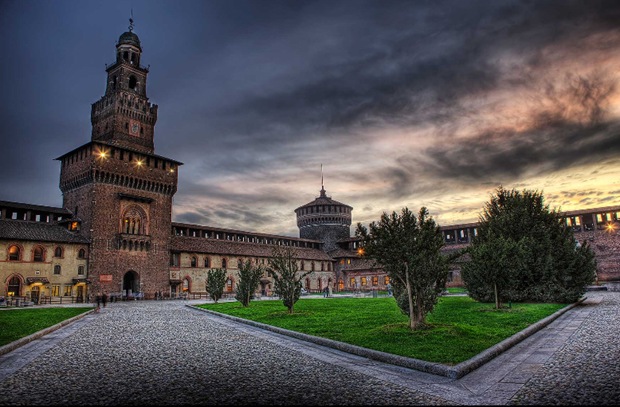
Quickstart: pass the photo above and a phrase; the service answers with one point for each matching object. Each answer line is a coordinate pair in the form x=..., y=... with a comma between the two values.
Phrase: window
x=174, y=259
x=375, y=280
x=239, y=263
x=37, y=254
x=312, y=266
x=14, y=253
x=386, y=280
x=193, y=261
x=14, y=286
x=229, y=285
x=303, y=266
x=352, y=282
x=80, y=270
x=223, y=263
x=207, y=262
x=57, y=269
x=81, y=254
x=67, y=292
x=55, y=290
x=58, y=252
x=363, y=281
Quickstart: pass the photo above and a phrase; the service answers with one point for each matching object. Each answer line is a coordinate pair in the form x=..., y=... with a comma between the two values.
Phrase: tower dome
x=324, y=219
x=129, y=38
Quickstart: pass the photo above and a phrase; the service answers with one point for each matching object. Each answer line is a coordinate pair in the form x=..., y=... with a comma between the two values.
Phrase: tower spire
x=322, y=187
x=131, y=21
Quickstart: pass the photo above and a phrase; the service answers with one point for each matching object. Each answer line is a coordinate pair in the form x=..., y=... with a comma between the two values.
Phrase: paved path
x=166, y=353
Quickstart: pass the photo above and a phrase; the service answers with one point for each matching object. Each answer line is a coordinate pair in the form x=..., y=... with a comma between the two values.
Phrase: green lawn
x=459, y=327
x=18, y=323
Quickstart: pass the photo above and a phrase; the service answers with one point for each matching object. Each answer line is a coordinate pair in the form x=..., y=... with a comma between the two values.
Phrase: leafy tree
x=409, y=250
x=492, y=269
x=216, y=280
x=548, y=265
x=287, y=279
x=249, y=280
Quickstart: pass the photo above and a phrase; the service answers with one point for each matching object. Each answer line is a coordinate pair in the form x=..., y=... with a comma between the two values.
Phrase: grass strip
x=458, y=328
x=18, y=323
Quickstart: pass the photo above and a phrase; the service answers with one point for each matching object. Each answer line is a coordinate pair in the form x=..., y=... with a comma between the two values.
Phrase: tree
x=249, y=280
x=548, y=266
x=492, y=269
x=409, y=250
x=287, y=279
x=216, y=280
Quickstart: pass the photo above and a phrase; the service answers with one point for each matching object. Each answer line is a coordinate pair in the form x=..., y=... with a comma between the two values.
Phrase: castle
x=114, y=231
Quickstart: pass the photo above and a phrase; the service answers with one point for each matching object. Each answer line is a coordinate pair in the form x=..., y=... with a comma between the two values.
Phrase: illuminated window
x=352, y=282
x=386, y=280
x=67, y=292
x=14, y=253
x=363, y=281
x=55, y=290
x=375, y=280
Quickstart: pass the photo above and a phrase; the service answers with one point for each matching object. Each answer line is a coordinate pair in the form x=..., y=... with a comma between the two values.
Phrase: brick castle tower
x=118, y=188
x=324, y=219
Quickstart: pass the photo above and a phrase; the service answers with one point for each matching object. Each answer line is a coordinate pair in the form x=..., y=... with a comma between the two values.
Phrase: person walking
x=98, y=300
x=104, y=298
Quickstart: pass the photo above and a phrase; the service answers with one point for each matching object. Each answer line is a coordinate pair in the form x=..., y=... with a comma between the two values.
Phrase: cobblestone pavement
x=164, y=353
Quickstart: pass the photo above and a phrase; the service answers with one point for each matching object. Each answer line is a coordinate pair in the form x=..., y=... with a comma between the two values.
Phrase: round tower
x=325, y=220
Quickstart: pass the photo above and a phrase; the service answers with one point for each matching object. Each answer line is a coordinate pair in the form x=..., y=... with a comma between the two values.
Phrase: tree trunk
x=496, y=296
x=412, y=316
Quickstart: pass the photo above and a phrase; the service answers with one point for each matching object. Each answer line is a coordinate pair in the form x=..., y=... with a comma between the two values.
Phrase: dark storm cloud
x=400, y=98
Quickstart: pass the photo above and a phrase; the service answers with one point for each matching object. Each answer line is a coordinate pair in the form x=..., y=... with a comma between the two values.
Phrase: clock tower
x=124, y=116
x=118, y=188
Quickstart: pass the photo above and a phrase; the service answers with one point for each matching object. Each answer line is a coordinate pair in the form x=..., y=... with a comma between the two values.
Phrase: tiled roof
x=37, y=231
x=39, y=208
x=227, y=247
x=323, y=199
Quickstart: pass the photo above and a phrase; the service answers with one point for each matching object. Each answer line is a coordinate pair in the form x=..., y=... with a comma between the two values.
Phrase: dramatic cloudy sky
x=404, y=103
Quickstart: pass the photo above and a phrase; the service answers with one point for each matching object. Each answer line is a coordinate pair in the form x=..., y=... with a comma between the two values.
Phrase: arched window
x=207, y=262
x=223, y=263
x=194, y=261
x=80, y=270
x=134, y=221
x=58, y=251
x=302, y=266
x=81, y=254
x=38, y=254
x=14, y=253
x=386, y=280
x=132, y=82
x=14, y=287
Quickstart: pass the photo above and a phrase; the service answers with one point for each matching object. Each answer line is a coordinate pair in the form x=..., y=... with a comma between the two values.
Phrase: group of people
x=101, y=298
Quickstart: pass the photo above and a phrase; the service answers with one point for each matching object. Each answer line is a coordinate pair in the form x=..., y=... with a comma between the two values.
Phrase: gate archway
x=131, y=284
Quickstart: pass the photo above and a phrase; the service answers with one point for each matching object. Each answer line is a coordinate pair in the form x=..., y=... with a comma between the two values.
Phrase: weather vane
x=131, y=21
